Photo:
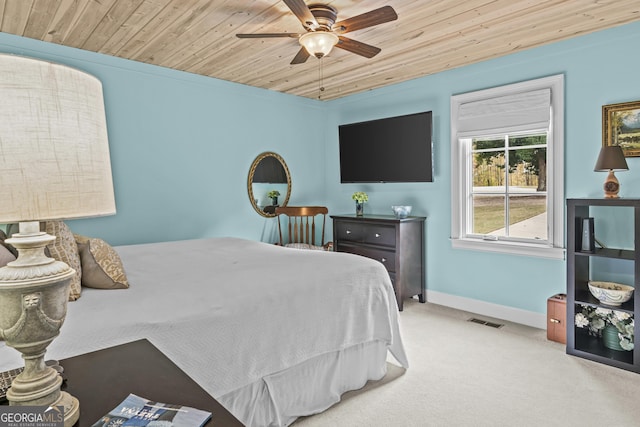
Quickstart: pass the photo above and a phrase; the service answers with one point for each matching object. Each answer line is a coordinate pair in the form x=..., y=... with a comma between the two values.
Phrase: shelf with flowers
x=615, y=328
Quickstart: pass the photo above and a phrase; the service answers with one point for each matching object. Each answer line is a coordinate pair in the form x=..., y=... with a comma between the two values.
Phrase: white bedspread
x=230, y=311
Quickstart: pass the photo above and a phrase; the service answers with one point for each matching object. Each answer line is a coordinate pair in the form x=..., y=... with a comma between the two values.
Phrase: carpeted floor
x=467, y=374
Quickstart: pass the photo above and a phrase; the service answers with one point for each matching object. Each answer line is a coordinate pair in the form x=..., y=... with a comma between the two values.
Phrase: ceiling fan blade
x=369, y=19
x=300, y=57
x=261, y=35
x=358, y=48
x=300, y=9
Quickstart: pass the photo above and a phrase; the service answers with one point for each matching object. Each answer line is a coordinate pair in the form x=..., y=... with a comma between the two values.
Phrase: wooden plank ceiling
x=198, y=36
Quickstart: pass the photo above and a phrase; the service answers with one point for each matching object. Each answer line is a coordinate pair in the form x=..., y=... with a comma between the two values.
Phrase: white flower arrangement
x=273, y=194
x=596, y=318
x=360, y=197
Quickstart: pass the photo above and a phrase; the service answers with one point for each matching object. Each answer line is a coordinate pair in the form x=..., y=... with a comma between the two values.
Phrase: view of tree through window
x=509, y=196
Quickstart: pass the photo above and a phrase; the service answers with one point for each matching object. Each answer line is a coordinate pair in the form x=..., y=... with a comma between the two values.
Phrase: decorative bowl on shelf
x=610, y=293
x=401, y=211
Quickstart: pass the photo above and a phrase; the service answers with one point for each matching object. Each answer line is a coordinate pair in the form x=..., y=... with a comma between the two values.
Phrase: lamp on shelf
x=318, y=43
x=611, y=159
x=54, y=163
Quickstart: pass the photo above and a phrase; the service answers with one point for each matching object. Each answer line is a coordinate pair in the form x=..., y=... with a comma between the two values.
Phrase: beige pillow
x=5, y=256
x=101, y=265
x=65, y=249
x=304, y=246
x=10, y=248
x=12, y=229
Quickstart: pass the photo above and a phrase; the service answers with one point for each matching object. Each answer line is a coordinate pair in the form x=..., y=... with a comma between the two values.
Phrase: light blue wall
x=182, y=145
x=601, y=68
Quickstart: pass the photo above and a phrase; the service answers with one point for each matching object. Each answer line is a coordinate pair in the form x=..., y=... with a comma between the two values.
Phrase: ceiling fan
x=323, y=32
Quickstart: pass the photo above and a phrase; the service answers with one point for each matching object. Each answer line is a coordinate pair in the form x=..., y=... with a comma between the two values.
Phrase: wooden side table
x=104, y=378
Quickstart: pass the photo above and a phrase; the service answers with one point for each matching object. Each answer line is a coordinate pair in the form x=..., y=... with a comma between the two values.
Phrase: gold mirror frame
x=266, y=209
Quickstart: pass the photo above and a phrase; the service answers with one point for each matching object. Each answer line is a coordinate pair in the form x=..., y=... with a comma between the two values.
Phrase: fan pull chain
x=320, y=78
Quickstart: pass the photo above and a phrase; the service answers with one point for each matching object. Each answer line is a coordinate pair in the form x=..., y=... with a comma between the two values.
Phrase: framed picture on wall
x=621, y=126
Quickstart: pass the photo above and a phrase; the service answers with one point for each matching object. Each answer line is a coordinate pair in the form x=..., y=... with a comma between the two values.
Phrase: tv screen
x=394, y=149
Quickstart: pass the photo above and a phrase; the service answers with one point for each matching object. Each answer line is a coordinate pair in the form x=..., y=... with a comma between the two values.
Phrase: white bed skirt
x=279, y=399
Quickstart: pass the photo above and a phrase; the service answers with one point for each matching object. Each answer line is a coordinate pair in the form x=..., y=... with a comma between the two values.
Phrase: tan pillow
x=101, y=265
x=10, y=248
x=304, y=246
x=5, y=256
x=65, y=249
x=13, y=228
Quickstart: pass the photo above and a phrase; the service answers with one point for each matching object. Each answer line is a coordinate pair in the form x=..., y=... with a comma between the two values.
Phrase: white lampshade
x=54, y=151
x=318, y=43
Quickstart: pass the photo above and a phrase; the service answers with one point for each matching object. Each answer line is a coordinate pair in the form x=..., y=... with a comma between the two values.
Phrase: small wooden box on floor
x=556, y=318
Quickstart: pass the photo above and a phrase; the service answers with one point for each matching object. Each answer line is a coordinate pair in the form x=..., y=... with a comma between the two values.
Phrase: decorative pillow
x=11, y=249
x=11, y=228
x=65, y=249
x=5, y=256
x=304, y=246
x=101, y=265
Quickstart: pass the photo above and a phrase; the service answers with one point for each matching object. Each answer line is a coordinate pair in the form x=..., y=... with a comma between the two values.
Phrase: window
x=507, y=169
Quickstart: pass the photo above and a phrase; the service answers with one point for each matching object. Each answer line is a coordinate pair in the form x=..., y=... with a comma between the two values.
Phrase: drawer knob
x=378, y=234
x=383, y=260
x=348, y=231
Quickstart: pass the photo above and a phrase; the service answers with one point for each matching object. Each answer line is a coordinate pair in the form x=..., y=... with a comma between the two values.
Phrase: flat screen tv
x=394, y=149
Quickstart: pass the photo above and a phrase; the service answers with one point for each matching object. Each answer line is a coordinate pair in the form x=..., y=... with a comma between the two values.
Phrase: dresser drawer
x=349, y=232
x=375, y=234
x=379, y=234
x=387, y=258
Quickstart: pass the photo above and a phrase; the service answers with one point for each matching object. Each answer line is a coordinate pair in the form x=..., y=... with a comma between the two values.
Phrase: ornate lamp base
x=34, y=290
x=611, y=186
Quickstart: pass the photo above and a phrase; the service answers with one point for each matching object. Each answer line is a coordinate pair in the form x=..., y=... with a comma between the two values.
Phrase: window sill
x=509, y=248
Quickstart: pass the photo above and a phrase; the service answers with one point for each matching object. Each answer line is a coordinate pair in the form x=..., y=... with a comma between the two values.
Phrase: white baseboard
x=516, y=315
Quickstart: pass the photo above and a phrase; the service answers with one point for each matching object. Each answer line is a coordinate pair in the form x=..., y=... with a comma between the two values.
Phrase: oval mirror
x=269, y=183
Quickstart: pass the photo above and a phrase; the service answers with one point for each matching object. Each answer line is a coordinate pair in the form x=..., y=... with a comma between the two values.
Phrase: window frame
x=461, y=237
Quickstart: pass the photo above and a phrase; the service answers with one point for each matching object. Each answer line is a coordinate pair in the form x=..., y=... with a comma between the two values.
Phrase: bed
x=272, y=333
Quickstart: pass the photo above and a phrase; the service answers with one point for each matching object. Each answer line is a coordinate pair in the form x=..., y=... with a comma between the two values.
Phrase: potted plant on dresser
x=361, y=198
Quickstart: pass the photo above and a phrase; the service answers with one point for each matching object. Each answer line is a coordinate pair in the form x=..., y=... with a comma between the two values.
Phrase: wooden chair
x=299, y=228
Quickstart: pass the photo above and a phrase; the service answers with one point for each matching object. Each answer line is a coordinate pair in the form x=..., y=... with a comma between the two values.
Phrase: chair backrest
x=301, y=224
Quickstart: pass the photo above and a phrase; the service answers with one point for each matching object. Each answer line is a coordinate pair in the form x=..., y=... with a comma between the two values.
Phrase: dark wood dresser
x=397, y=243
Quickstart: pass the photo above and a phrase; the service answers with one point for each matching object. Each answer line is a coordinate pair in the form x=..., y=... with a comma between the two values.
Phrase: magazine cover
x=138, y=411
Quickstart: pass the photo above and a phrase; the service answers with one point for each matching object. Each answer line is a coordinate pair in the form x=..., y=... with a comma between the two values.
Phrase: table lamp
x=54, y=163
x=611, y=159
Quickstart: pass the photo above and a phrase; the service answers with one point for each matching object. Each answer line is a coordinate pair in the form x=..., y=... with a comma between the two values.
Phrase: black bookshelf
x=579, y=271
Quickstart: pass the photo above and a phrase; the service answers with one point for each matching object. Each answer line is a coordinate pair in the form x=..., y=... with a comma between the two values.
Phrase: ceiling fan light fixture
x=318, y=43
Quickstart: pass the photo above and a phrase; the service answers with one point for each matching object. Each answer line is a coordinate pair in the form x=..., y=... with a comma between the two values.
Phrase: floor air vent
x=484, y=322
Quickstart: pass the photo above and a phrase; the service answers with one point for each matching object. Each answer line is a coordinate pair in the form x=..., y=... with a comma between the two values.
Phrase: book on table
x=138, y=411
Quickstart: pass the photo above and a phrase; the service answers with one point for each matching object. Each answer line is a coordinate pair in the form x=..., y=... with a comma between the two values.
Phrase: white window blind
x=505, y=114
